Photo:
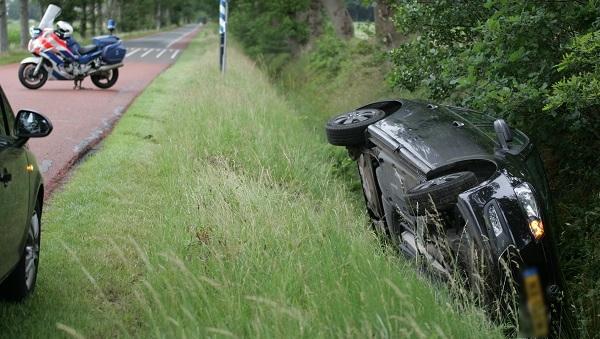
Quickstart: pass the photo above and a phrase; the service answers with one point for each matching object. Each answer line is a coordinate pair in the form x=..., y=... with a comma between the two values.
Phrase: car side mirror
x=503, y=133
x=31, y=124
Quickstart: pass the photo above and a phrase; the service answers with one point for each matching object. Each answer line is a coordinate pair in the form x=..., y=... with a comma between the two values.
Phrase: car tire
x=21, y=282
x=105, y=79
x=349, y=128
x=443, y=191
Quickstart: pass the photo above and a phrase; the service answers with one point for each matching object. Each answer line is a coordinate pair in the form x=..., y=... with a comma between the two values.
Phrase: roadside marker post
x=223, y=12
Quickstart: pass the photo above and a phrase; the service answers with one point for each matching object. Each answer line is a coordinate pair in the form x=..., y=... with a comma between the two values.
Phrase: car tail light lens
x=530, y=207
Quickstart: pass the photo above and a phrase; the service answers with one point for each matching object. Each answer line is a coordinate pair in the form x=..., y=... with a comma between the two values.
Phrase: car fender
x=496, y=193
x=36, y=189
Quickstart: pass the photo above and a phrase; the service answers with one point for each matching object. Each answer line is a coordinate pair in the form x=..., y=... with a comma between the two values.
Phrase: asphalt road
x=82, y=118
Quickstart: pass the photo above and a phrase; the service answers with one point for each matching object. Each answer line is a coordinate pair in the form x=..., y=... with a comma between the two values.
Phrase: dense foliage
x=270, y=30
x=536, y=64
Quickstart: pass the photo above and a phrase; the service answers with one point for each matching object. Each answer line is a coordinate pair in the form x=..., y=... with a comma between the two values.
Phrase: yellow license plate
x=535, y=302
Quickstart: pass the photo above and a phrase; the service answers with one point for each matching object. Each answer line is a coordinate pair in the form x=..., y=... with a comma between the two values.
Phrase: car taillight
x=530, y=208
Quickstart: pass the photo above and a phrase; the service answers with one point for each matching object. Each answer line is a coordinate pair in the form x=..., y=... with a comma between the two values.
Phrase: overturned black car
x=465, y=195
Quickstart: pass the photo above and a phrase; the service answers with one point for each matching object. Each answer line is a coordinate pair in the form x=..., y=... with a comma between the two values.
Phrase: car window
x=8, y=118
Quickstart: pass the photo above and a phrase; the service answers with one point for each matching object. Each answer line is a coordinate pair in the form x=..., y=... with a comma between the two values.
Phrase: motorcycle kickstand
x=78, y=84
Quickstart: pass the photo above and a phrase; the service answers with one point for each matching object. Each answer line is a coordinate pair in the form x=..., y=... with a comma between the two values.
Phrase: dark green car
x=21, y=199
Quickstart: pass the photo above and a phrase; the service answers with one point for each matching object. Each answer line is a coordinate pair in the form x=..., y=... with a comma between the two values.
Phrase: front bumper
x=523, y=266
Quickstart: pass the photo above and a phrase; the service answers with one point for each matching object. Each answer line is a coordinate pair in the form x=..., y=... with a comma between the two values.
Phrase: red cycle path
x=81, y=118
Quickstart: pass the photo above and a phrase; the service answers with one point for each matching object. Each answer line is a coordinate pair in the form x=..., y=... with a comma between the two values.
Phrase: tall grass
x=213, y=210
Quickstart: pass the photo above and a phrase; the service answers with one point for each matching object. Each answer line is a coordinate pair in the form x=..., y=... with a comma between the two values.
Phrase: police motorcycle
x=57, y=56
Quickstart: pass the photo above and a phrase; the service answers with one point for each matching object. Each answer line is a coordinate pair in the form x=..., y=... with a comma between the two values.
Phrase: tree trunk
x=158, y=17
x=93, y=17
x=167, y=17
x=385, y=30
x=113, y=10
x=84, y=19
x=24, y=24
x=99, y=16
x=3, y=27
x=315, y=19
x=342, y=22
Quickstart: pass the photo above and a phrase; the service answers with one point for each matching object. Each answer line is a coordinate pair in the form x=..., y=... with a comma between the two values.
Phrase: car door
x=14, y=191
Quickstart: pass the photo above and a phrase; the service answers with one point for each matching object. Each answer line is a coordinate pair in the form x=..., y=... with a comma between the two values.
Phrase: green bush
x=269, y=28
x=328, y=53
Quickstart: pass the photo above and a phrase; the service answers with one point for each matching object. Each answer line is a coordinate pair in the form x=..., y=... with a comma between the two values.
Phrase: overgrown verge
x=213, y=210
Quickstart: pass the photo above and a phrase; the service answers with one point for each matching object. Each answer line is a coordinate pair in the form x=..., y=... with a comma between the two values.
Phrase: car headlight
x=494, y=220
x=530, y=207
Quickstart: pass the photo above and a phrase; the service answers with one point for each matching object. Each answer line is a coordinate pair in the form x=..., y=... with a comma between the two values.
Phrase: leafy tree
x=3, y=27
x=270, y=28
x=131, y=15
x=24, y=20
x=340, y=18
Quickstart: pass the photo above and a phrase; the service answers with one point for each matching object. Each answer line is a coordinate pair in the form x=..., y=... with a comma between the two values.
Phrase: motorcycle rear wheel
x=105, y=79
x=28, y=80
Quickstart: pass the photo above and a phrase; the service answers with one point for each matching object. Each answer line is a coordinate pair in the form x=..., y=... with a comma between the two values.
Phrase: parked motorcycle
x=53, y=59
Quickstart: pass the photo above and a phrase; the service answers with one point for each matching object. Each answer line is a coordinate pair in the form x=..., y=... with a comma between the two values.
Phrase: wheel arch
x=483, y=168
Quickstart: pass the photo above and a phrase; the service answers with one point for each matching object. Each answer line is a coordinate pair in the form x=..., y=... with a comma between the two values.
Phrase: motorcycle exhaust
x=107, y=68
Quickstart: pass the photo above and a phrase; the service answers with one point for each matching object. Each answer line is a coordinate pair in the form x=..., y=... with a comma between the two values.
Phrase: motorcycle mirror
x=35, y=32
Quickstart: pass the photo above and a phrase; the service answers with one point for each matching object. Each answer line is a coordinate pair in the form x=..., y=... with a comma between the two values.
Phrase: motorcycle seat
x=87, y=49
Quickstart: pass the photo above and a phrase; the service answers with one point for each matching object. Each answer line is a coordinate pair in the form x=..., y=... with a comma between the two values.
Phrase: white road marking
x=161, y=53
x=183, y=36
x=147, y=52
x=135, y=50
x=175, y=54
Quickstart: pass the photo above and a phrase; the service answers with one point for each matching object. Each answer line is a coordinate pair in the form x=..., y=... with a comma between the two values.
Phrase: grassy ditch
x=335, y=77
x=212, y=210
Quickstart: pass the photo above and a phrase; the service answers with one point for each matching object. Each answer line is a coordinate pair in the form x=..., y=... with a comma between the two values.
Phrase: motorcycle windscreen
x=50, y=15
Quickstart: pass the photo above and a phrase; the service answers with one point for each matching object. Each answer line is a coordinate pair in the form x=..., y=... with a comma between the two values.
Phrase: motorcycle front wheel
x=28, y=79
x=105, y=79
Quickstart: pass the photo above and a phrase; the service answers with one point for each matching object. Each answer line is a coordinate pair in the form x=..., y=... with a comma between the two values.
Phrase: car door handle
x=5, y=177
